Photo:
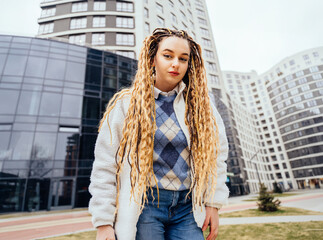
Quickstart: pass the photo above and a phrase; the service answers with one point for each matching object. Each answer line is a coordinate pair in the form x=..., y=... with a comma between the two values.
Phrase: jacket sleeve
x=102, y=205
x=222, y=192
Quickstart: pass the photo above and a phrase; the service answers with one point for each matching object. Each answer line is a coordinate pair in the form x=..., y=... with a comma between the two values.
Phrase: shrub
x=266, y=200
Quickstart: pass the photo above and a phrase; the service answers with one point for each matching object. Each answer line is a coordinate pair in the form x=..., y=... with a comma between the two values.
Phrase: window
x=124, y=7
x=300, y=73
x=209, y=54
x=302, y=80
x=206, y=42
x=46, y=28
x=306, y=57
x=147, y=27
x=305, y=88
x=291, y=62
x=183, y=15
x=161, y=21
x=200, y=13
x=125, y=22
x=146, y=12
x=125, y=39
x=314, y=69
x=79, y=7
x=98, y=39
x=291, y=84
x=99, y=6
x=174, y=18
x=98, y=21
x=315, y=54
x=211, y=66
x=77, y=39
x=202, y=21
x=205, y=32
x=47, y=12
x=214, y=79
x=160, y=8
x=289, y=77
x=308, y=95
x=319, y=84
x=171, y=3
x=78, y=23
x=317, y=76
x=294, y=91
x=129, y=54
x=297, y=99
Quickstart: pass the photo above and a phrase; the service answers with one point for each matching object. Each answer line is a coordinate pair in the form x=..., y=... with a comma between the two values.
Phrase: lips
x=174, y=73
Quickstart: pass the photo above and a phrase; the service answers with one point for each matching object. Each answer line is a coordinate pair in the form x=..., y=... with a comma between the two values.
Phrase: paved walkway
x=40, y=226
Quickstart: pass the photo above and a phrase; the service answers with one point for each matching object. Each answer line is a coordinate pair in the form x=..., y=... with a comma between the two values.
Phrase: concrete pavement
x=37, y=227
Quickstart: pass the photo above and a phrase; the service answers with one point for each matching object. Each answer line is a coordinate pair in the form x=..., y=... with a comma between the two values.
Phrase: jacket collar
x=178, y=89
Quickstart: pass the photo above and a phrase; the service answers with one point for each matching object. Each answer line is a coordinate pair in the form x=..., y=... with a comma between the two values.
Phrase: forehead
x=175, y=44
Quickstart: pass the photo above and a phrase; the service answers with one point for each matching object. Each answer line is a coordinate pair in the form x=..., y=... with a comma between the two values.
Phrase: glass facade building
x=52, y=96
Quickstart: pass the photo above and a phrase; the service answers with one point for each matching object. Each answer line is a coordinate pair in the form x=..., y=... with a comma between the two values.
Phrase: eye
x=183, y=59
x=167, y=56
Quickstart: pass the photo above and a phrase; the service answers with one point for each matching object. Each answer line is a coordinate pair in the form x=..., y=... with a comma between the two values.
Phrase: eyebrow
x=165, y=50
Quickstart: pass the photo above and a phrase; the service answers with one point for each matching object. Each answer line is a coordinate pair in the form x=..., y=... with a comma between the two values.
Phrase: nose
x=175, y=63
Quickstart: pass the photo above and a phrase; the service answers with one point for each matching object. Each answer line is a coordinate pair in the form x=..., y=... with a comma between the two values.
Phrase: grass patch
x=29, y=214
x=276, y=195
x=267, y=231
x=283, y=211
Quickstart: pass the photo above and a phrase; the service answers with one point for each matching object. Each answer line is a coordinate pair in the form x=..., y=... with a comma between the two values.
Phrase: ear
x=154, y=62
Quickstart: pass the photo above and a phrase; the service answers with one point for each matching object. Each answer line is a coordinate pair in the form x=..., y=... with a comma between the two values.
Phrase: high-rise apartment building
x=285, y=109
x=121, y=26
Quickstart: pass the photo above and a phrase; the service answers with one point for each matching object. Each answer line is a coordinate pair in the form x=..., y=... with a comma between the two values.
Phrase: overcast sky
x=249, y=34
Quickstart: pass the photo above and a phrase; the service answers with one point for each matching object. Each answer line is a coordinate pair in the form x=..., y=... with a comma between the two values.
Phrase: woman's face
x=171, y=62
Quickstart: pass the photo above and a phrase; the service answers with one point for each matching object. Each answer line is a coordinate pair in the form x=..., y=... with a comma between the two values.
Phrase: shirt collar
x=178, y=89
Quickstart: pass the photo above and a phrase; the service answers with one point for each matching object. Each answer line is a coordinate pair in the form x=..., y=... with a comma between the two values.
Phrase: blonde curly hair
x=137, y=143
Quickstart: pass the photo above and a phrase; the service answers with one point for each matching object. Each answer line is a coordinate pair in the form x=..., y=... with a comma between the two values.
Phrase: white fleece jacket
x=103, y=178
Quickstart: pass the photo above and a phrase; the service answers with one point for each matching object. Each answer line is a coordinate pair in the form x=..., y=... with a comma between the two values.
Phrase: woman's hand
x=212, y=220
x=105, y=232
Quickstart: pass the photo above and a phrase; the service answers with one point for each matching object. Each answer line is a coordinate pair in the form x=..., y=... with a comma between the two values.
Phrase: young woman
x=159, y=170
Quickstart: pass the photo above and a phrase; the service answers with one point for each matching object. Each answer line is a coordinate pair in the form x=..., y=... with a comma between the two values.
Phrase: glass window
x=4, y=143
x=317, y=76
x=15, y=65
x=2, y=61
x=77, y=39
x=21, y=145
x=44, y=146
x=79, y=7
x=8, y=101
x=91, y=108
x=71, y=106
x=160, y=8
x=205, y=32
x=46, y=28
x=78, y=23
x=29, y=103
x=55, y=69
x=98, y=21
x=161, y=21
x=67, y=147
x=147, y=27
x=75, y=72
x=38, y=71
x=12, y=190
x=47, y=12
x=50, y=104
x=99, y=6
x=125, y=22
x=124, y=7
x=125, y=39
x=146, y=12
x=314, y=69
x=98, y=39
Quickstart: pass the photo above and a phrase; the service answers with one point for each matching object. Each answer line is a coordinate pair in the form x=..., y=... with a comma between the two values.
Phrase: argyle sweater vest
x=171, y=154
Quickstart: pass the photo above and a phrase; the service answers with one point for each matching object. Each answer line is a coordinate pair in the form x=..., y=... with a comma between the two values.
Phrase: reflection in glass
x=62, y=192
x=50, y=104
x=11, y=194
x=29, y=102
x=37, y=193
x=40, y=168
x=55, y=69
x=36, y=66
x=8, y=101
x=93, y=74
x=91, y=108
x=67, y=148
x=44, y=146
x=2, y=61
x=71, y=106
x=21, y=145
x=75, y=72
x=11, y=79
x=15, y=65
x=4, y=142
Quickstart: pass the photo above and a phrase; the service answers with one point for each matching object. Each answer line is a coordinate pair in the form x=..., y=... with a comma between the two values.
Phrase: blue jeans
x=173, y=219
